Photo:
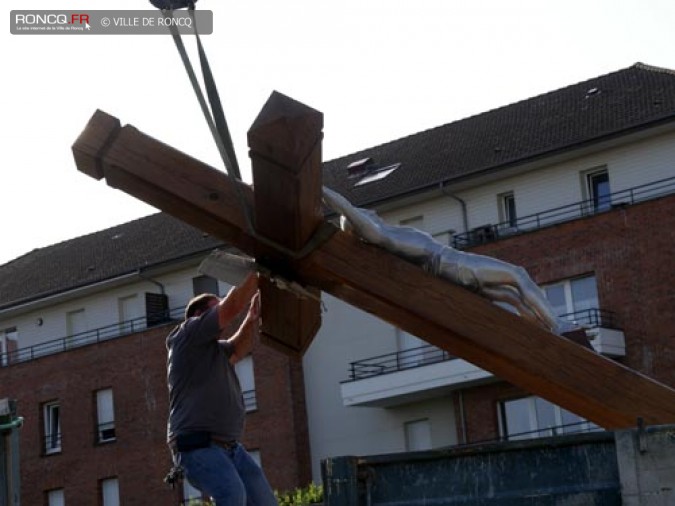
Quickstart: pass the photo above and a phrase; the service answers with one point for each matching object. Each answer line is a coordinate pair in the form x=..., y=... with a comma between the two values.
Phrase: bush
x=311, y=494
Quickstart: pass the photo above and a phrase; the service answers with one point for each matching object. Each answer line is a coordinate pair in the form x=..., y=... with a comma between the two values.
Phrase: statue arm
x=408, y=242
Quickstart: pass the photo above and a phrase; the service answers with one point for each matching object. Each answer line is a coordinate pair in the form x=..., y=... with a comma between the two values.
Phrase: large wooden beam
x=446, y=315
x=285, y=142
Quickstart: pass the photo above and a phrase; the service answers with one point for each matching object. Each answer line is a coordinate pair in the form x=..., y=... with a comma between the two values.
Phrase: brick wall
x=135, y=368
x=630, y=251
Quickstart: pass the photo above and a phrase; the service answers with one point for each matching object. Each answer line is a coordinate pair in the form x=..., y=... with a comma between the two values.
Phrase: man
x=206, y=408
x=490, y=277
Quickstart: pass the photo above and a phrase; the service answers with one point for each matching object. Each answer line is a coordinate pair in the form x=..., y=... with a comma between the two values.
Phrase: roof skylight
x=378, y=174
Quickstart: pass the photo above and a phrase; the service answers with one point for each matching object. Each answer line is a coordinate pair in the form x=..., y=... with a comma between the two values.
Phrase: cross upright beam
x=285, y=142
x=446, y=315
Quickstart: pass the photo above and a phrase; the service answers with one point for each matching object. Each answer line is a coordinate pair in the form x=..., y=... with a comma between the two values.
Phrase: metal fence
x=88, y=337
x=630, y=196
x=429, y=354
x=74, y=341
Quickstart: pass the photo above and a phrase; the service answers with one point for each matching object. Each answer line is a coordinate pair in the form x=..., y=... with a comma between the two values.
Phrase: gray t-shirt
x=204, y=391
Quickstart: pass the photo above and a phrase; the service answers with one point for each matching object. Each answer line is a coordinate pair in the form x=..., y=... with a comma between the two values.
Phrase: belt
x=227, y=445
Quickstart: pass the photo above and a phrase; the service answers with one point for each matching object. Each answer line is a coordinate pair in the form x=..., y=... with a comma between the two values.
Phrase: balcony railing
x=489, y=233
x=397, y=361
x=594, y=318
x=51, y=443
x=555, y=430
x=429, y=354
x=88, y=337
x=75, y=341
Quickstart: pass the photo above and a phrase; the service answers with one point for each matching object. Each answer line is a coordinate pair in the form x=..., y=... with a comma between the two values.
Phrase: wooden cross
x=285, y=143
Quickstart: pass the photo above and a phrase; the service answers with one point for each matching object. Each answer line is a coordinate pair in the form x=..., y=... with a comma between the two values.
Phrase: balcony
x=605, y=335
x=406, y=376
x=427, y=372
x=86, y=338
x=489, y=233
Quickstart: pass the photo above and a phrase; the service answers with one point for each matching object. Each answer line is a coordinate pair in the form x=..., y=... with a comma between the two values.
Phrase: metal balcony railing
x=555, y=430
x=429, y=354
x=489, y=233
x=594, y=318
x=51, y=443
x=88, y=337
x=397, y=361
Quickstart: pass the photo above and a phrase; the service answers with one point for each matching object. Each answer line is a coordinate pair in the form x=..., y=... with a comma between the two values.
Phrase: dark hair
x=199, y=303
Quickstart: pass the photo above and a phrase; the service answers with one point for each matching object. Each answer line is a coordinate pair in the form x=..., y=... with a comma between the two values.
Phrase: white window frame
x=245, y=374
x=51, y=413
x=56, y=497
x=130, y=314
x=570, y=304
x=110, y=492
x=105, y=416
x=6, y=336
x=508, y=214
x=205, y=284
x=596, y=203
x=412, y=429
x=72, y=330
x=535, y=430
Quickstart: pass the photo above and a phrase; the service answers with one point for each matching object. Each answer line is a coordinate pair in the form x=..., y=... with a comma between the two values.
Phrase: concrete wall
x=646, y=460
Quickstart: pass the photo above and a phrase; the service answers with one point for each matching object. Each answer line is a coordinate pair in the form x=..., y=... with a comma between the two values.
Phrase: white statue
x=494, y=279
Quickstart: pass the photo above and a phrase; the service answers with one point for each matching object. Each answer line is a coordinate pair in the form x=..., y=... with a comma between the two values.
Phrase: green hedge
x=311, y=494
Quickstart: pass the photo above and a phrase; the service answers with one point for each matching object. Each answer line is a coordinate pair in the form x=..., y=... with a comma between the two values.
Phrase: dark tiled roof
x=614, y=104
x=100, y=256
x=630, y=99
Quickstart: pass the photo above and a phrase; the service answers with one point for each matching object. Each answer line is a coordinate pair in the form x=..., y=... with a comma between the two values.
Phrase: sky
x=378, y=70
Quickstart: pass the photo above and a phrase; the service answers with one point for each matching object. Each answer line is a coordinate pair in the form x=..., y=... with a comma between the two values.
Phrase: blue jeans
x=230, y=476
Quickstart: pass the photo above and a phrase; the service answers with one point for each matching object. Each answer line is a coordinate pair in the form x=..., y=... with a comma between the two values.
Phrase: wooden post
x=285, y=142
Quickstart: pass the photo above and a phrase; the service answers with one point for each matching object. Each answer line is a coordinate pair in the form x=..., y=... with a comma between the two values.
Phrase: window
x=56, y=498
x=204, y=284
x=507, y=210
x=52, y=427
x=416, y=222
x=131, y=315
x=413, y=351
x=110, y=492
x=9, y=339
x=532, y=417
x=244, y=370
x=597, y=187
x=377, y=174
x=418, y=435
x=575, y=298
x=76, y=326
x=105, y=416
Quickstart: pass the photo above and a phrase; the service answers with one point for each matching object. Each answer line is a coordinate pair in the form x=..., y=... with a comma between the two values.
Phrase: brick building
x=576, y=185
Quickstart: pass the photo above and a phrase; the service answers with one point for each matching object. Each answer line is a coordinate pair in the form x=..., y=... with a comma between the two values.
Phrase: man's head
x=199, y=304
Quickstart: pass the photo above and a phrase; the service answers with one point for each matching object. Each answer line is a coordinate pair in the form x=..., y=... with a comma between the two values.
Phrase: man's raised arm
x=236, y=300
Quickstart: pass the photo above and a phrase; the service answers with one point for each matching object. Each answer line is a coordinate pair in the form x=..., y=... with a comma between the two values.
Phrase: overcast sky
x=377, y=69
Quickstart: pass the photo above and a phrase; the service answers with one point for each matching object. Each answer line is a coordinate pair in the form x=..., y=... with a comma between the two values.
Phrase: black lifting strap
x=215, y=117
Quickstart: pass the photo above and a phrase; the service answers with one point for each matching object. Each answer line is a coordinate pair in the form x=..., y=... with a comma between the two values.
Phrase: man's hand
x=245, y=337
x=236, y=300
